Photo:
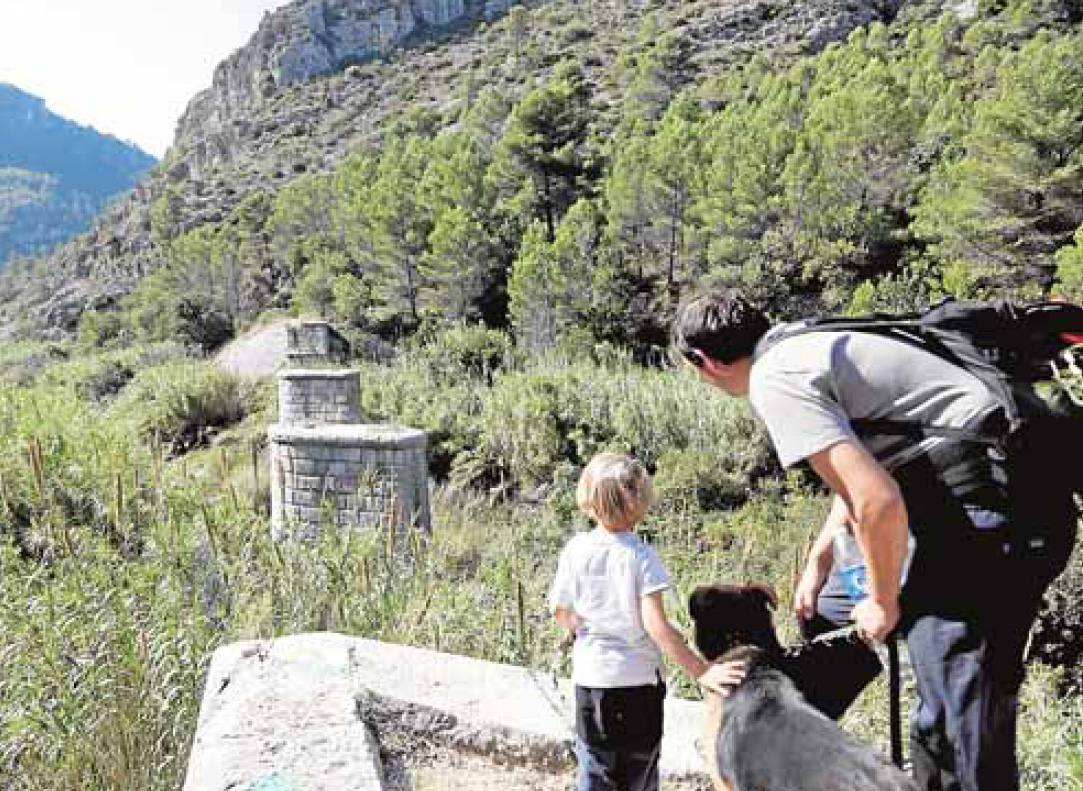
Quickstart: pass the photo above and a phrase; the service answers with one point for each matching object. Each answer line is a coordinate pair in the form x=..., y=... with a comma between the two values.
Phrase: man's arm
x=878, y=514
x=570, y=621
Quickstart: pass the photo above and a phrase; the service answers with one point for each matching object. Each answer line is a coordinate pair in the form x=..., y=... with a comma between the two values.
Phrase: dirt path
x=259, y=352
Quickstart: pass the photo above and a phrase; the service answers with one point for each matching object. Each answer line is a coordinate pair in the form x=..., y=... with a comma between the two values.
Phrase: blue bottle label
x=854, y=581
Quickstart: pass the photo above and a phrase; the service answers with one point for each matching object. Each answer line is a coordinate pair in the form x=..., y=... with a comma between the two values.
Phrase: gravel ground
x=449, y=770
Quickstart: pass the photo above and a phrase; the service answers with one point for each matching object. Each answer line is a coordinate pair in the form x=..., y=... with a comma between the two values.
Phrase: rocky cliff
x=319, y=77
x=305, y=40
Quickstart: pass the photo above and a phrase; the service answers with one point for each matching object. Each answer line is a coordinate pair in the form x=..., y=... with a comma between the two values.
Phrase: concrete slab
x=512, y=708
x=281, y=716
x=299, y=700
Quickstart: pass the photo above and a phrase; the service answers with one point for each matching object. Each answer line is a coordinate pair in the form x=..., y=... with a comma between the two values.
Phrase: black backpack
x=1032, y=445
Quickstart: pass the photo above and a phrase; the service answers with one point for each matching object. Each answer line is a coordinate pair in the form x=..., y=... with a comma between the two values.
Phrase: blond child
x=607, y=595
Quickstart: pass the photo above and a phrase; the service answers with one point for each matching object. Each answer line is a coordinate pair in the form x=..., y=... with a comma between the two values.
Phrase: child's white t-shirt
x=602, y=576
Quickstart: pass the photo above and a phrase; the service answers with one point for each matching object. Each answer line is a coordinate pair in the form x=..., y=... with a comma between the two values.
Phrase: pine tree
x=531, y=293
x=456, y=270
x=676, y=166
x=401, y=225
x=849, y=181
x=545, y=143
x=552, y=285
x=1015, y=196
x=655, y=73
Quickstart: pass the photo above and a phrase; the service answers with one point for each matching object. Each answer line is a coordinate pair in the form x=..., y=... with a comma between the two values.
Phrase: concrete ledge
x=334, y=374
x=313, y=693
x=380, y=436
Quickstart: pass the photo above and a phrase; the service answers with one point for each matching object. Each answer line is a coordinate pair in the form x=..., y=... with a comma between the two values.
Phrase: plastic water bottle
x=850, y=563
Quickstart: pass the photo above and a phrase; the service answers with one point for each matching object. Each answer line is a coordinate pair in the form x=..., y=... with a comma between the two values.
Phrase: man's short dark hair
x=719, y=324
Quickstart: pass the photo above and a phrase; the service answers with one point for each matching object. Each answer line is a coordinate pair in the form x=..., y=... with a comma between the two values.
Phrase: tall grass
x=122, y=568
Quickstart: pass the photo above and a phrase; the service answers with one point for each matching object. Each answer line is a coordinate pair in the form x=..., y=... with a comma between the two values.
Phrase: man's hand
x=875, y=620
x=806, y=593
x=722, y=677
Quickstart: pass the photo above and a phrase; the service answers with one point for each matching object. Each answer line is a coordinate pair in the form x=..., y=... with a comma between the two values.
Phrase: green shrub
x=100, y=375
x=22, y=363
x=407, y=392
x=530, y=422
x=106, y=382
x=105, y=649
x=101, y=329
x=465, y=352
x=555, y=413
x=181, y=403
x=698, y=480
x=1057, y=637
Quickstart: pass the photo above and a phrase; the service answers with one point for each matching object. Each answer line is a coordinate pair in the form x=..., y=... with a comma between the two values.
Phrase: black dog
x=765, y=736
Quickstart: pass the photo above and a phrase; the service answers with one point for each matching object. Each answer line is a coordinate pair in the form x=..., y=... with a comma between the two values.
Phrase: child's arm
x=661, y=631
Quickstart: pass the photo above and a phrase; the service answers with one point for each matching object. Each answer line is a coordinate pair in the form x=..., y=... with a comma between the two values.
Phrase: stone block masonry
x=319, y=396
x=347, y=475
x=328, y=468
x=314, y=342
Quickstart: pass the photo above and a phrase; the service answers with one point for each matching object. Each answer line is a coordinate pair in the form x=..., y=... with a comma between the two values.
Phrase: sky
x=125, y=67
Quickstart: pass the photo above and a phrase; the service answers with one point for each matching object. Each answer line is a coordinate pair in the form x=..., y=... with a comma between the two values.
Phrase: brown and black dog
x=765, y=736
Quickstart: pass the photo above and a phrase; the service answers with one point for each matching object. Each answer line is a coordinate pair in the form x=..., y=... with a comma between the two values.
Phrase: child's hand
x=721, y=678
x=566, y=641
x=571, y=622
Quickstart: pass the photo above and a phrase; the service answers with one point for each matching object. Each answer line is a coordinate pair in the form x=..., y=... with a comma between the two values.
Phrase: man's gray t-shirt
x=808, y=388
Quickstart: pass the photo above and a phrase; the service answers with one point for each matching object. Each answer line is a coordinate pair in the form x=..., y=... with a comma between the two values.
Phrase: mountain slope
x=322, y=77
x=55, y=175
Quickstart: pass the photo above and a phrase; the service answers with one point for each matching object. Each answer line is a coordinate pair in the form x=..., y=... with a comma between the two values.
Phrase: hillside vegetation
x=516, y=210
x=911, y=162
x=135, y=539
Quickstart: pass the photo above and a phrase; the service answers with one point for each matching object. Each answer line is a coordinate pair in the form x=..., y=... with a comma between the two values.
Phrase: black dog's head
x=727, y=616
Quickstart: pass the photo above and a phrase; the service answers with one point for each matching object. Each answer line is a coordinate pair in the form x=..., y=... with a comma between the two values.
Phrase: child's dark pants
x=618, y=737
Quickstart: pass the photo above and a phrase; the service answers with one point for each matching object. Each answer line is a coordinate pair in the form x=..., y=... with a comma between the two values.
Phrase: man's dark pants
x=966, y=624
x=968, y=608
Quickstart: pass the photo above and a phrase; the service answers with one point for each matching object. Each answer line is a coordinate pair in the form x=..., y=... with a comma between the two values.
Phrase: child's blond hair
x=614, y=489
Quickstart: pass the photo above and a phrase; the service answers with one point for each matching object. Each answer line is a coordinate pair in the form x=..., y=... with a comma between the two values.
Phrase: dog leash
x=849, y=633
x=894, y=700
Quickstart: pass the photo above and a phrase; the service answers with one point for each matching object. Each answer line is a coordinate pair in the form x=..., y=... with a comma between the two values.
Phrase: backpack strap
x=920, y=431
x=949, y=345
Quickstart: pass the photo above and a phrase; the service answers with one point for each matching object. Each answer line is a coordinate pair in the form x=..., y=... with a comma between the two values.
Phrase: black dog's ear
x=698, y=600
x=764, y=593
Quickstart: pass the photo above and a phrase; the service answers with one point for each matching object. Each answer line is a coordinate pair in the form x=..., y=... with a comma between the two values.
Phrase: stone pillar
x=349, y=475
x=311, y=343
x=327, y=467
x=322, y=395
